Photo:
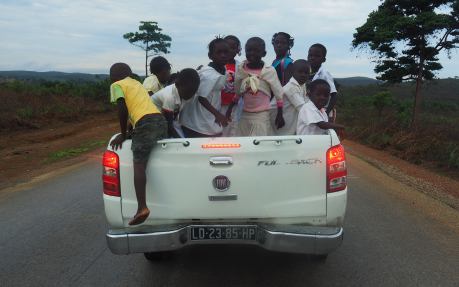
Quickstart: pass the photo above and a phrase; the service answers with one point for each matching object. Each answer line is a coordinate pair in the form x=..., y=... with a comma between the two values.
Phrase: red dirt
x=26, y=154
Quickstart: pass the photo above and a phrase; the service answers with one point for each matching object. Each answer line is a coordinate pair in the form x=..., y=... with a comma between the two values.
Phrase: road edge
x=418, y=183
x=61, y=168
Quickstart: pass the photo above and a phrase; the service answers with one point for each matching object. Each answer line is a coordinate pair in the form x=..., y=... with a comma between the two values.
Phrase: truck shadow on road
x=223, y=265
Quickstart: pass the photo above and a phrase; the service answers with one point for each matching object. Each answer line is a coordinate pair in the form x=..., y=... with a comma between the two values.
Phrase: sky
x=87, y=36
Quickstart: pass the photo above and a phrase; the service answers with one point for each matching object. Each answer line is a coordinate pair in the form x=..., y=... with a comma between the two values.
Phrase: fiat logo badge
x=221, y=183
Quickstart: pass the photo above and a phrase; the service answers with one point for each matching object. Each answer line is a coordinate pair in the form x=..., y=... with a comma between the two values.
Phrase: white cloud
x=86, y=36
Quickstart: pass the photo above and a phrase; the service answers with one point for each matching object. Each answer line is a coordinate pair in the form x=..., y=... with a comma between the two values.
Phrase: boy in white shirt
x=201, y=117
x=171, y=99
x=160, y=70
x=294, y=98
x=316, y=56
x=312, y=119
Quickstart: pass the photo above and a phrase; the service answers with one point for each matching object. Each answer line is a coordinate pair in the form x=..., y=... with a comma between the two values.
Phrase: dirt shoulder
x=26, y=155
x=440, y=187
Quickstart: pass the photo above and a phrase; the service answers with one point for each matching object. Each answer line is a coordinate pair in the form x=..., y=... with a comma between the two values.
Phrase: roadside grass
x=75, y=151
x=381, y=119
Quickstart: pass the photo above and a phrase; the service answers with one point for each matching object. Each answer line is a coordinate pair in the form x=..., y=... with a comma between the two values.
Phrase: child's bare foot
x=140, y=216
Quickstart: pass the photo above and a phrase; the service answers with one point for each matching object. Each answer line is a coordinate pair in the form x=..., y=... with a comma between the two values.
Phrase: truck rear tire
x=156, y=256
x=319, y=258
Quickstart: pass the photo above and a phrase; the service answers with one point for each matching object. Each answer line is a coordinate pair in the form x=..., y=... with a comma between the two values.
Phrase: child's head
x=317, y=55
x=187, y=83
x=161, y=68
x=255, y=49
x=282, y=43
x=119, y=71
x=219, y=51
x=234, y=46
x=301, y=71
x=172, y=79
x=319, y=92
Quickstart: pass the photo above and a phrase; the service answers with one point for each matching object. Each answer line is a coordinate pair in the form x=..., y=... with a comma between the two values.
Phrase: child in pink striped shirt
x=255, y=81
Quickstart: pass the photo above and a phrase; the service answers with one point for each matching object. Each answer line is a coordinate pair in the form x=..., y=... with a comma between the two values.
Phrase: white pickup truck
x=283, y=193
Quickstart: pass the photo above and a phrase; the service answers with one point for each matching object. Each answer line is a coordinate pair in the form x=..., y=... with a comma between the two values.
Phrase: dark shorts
x=189, y=133
x=148, y=130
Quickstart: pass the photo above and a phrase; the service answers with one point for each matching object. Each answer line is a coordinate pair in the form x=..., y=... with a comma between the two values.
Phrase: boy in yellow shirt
x=149, y=126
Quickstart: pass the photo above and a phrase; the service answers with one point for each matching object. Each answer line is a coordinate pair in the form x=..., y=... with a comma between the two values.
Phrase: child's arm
x=235, y=101
x=279, y=118
x=331, y=104
x=229, y=111
x=169, y=116
x=238, y=77
x=219, y=118
x=333, y=92
x=327, y=125
x=295, y=97
x=337, y=127
x=123, y=117
x=276, y=88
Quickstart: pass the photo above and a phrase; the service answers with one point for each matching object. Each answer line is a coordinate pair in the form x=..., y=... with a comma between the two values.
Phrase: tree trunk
x=146, y=60
x=417, y=101
x=146, y=64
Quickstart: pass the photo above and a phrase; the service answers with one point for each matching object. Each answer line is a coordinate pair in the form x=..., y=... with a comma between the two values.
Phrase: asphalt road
x=52, y=234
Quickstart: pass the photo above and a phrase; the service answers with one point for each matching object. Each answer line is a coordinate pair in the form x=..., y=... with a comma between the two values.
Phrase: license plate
x=223, y=233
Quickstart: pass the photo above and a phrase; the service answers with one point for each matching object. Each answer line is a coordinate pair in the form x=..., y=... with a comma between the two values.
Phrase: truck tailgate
x=224, y=178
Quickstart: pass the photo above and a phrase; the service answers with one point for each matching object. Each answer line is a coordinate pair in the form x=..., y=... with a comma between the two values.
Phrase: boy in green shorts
x=149, y=125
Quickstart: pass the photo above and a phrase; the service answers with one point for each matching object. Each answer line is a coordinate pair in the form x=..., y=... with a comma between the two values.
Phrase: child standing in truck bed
x=149, y=126
x=255, y=81
x=160, y=70
x=172, y=98
x=294, y=97
x=228, y=90
x=282, y=43
x=201, y=117
x=317, y=54
x=312, y=119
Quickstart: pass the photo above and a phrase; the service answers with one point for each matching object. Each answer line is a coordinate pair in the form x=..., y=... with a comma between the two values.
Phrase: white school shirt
x=308, y=118
x=325, y=75
x=152, y=84
x=194, y=115
x=294, y=98
x=168, y=99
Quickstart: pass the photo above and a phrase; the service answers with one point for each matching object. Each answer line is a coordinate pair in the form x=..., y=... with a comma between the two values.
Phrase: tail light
x=111, y=174
x=336, y=169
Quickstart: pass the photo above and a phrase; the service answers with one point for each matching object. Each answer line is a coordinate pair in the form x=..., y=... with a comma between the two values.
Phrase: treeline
x=380, y=116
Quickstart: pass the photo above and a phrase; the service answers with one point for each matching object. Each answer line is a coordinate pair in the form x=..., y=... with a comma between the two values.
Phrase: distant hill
x=444, y=89
x=83, y=77
x=356, y=81
x=51, y=76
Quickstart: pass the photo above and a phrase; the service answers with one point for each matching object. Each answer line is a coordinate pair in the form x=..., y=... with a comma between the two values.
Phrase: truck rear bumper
x=293, y=239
